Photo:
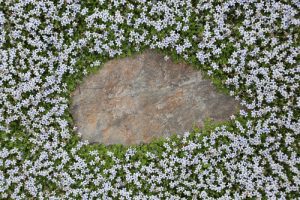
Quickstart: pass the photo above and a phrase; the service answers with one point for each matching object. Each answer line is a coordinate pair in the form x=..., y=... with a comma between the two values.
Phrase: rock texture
x=134, y=99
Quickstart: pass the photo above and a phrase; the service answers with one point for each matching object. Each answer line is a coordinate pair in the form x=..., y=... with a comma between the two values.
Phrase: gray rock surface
x=134, y=99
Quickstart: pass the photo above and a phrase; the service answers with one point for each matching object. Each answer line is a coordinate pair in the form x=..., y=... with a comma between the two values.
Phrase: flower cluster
x=251, y=47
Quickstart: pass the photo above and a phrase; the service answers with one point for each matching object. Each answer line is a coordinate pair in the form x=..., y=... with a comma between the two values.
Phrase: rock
x=134, y=99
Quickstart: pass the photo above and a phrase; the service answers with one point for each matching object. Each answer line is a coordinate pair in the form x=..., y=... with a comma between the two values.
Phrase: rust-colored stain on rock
x=135, y=99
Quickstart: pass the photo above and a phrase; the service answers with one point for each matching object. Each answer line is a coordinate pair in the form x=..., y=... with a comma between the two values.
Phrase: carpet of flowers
x=250, y=48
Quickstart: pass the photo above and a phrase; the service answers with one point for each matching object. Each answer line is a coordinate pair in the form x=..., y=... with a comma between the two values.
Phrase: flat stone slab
x=134, y=99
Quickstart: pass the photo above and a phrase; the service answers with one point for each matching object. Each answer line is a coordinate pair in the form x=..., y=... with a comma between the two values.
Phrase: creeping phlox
x=251, y=47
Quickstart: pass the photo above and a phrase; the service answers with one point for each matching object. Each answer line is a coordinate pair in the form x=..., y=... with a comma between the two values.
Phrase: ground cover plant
x=249, y=48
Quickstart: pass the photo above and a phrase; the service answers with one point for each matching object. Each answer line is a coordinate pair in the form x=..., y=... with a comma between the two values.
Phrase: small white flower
x=166, y=58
